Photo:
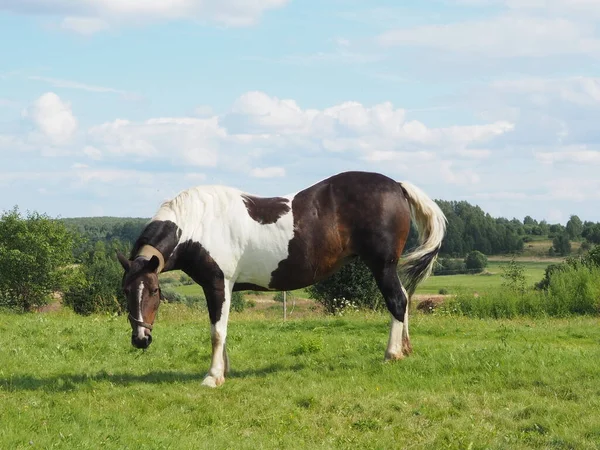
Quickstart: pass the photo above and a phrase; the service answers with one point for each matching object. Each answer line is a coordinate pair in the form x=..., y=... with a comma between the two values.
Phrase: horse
x=229, y=240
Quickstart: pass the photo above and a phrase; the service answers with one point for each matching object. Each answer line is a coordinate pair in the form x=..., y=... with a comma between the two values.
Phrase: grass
x=76, y=382
x=534, y=272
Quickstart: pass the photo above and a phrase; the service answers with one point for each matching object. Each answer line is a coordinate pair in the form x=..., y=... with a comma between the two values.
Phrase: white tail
x=431, y=225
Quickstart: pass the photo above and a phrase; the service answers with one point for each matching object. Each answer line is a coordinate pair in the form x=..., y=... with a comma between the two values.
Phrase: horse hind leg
x=396, y=300
x=406, y=346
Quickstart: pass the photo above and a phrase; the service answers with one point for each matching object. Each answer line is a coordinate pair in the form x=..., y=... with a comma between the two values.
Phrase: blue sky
x=109, y=107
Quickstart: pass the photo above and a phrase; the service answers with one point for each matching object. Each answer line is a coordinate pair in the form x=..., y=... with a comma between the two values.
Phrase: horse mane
x=191, y=205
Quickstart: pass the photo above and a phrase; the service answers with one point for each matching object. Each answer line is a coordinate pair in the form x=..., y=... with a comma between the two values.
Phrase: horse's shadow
x=73, y=381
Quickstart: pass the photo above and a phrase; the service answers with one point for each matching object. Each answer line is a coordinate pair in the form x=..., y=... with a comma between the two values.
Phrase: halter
x=134, y=321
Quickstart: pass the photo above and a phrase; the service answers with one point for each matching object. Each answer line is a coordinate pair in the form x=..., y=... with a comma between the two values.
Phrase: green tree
x=97, y=284
x=574, y=227
x=476, y=261
x=34, y=254
x=561, y=244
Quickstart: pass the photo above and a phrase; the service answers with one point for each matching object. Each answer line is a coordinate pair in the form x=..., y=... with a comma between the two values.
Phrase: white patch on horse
x=140, y=294
x=394, y=348
x=217, y=218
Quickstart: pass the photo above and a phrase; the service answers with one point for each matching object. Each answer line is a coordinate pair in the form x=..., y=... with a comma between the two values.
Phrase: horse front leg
x=219, y=301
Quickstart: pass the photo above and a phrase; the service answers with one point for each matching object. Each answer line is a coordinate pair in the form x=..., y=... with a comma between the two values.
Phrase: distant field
x=69, y=382
x=538, y=248
x=534, y=272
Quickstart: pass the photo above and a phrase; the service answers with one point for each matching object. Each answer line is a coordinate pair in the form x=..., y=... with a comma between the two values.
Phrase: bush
x=571, y=291
x=574, y=290
x=35, y=252
x=238, y=302
x=353, y=284
x=97, y=285
x=172, y=296
x=449, y=266
x=476, y=261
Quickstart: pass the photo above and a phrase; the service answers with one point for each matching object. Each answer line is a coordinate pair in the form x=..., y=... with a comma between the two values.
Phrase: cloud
x=90, y=16
x=181, y=141
x=53, y=118
x=69, y=84
x=576, y=154
x=268, y=172
x=84, y=25
x=504, y=36
x=580, y=8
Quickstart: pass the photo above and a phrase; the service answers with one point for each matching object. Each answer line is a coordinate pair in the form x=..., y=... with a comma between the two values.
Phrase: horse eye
x=154, y=291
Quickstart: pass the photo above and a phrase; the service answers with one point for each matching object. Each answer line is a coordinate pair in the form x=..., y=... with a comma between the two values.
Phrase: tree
x=561, y=244
x=476, y=261
x=34, y=254
x=97, y=284
x=574, y=227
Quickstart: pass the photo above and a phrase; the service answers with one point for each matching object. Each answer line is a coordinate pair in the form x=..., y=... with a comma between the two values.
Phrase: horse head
x=141, y=287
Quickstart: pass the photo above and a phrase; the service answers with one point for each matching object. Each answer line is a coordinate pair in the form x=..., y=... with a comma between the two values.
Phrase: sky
x=109, y=107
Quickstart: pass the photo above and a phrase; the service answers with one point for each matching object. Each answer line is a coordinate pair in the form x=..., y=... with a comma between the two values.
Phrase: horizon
x=109, y=108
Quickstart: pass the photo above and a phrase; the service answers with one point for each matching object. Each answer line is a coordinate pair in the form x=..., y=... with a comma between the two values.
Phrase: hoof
x=406, y=348
x=213, y=382
x=393, y=356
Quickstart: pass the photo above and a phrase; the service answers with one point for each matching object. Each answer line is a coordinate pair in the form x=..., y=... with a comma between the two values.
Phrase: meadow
x=68, y=381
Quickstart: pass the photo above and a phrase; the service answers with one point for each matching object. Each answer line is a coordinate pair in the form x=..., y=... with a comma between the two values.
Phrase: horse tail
x=431, y=226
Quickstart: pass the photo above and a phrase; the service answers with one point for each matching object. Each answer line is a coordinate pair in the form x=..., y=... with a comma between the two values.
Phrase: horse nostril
x=149, y=339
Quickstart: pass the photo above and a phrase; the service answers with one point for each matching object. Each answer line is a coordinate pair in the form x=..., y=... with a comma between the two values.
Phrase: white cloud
x=54, y=118
x=505, y=36
x=582, y=91
x=585, y=8
x=88, y=16
x=84, y=25
x=179, y=140
x=83, y=86
x=268, y=172
x=576, y=154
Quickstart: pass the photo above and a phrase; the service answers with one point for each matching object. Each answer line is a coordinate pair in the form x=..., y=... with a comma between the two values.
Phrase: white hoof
x=213, y=382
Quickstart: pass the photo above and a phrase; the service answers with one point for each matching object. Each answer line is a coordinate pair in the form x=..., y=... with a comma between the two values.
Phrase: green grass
x=534, y=272
x=76, y=382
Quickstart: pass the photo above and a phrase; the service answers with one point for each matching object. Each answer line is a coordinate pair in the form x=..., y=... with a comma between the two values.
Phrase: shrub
x=172, y=296
x=476, y=261
x=238, y=302
x=513, y=274
x=34, y=254
x=574, y=290
x=97, y=284
x=353, y=284
x=449, y=266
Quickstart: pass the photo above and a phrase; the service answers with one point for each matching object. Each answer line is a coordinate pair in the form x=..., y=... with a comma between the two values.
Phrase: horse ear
x=152, y=265
x=124, y=261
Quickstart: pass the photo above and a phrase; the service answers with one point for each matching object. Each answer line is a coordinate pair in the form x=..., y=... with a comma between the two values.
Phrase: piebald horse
x=228, y=240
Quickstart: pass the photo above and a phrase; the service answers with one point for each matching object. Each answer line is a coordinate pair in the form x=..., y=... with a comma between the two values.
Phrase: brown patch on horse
x=351, y=214
x=266, y=210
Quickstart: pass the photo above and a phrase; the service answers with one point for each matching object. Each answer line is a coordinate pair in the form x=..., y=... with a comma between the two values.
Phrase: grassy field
x=76, y=382
x=490, y=279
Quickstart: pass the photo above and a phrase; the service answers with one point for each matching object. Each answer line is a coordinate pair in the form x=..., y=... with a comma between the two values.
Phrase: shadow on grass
x=70, y=382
